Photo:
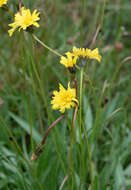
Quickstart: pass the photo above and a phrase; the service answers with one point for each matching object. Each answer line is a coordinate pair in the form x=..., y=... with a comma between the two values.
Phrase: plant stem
x=71, y=139
x=44, y=45
x=89, y=157
x=102, y=13
x=51, y=126
x=38, y=149
x=30, y=123
x=41, y=86
x=20, y=6
x=82, y=22
x=80, y=101
x=81, y=71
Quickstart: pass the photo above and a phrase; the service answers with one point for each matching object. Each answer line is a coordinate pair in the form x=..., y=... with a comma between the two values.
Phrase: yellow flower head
x=71, y=57
x=69, y=60
x=79, y=52
x=3, y=2
x=64, y=99
x=87, y=53
x=94, y=54
x=24, y=19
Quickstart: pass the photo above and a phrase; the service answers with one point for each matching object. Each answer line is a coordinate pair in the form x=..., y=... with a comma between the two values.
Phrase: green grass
x=28, y=75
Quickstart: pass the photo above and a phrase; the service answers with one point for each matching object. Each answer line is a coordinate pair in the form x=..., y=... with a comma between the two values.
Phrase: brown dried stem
x=38, y=149
x=20, y=6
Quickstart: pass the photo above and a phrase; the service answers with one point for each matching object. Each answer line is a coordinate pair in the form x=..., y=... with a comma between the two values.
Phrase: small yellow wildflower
x=94, y=54
x=3, y=2
x=68, y=61
x=24, y=19
x=87, y=53
x=71, y=57
x=64, y=99
x=79, y=52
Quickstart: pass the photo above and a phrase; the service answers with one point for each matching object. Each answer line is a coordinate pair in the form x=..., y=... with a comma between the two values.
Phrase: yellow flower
x=71, y=57
x=3, y=2
x=79, y=52
x=69, y=60
x=24, y=19
x=87, y=53
x=94, y=54
x=64, y=99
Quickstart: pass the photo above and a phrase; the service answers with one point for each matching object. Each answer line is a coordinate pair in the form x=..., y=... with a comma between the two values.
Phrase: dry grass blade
x=63, y=182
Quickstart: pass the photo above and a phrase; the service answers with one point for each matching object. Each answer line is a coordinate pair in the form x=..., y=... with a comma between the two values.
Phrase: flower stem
x=44, y=45
x=38, y=149
x=41, y=85
x=82, y=22
x=80, y=101
x=20, y=6
x=89, y=157
x=71, y=140
x=102, y=14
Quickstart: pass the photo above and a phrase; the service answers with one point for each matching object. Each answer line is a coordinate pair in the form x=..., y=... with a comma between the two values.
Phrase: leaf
x=24, y=125
x=119, y=175
x=77, y=178
x=127, y=171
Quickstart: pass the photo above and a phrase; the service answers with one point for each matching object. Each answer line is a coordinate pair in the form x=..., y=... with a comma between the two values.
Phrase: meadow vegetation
x=89, y=148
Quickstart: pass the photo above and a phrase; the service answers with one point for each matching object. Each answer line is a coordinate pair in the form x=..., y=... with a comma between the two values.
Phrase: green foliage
x=29, y=73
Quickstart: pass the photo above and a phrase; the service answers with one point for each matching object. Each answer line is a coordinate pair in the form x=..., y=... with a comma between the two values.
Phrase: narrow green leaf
x=24, y=125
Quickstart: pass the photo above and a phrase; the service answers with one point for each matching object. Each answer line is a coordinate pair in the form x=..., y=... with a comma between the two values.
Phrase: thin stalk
x=30, y=122
x=41, y=86
x=63, y=182
x=82, y=22
x=38, y=149
x=36, y=97
x=71, y=141
x=81, y=71
x=20, y=6
x=102, y=13
x=80, y=121
x=44, y=45
x=34, y=84
x=51, y=126
x=80, y=104
x=89, y=157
